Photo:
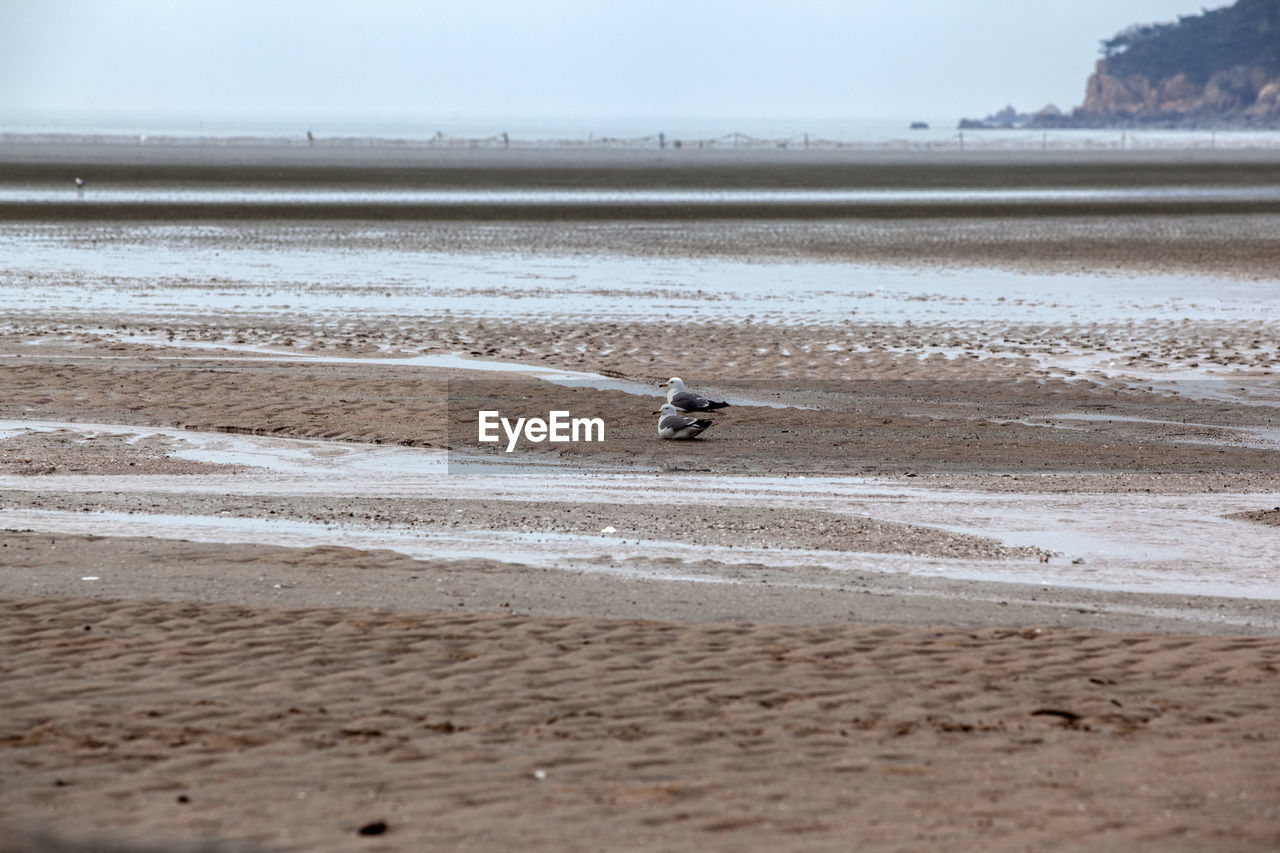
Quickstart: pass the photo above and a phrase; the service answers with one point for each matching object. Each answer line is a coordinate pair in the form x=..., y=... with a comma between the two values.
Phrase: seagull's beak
x=663, y=384
x=657, y=411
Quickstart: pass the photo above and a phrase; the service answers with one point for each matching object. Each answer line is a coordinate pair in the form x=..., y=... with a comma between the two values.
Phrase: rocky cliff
x=1239, y=96
x=1220, y=68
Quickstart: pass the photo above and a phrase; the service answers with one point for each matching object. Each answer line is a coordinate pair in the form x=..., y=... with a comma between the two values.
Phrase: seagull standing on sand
x=672, y=424
x=687, y=401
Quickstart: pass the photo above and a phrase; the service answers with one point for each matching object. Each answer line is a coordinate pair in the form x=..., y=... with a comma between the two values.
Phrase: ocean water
x=792, y=133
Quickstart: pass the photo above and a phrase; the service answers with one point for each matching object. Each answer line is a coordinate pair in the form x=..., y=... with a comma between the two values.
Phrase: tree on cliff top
x=1247, y=33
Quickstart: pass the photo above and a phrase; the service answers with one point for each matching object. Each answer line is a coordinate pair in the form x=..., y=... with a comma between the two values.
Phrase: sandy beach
x=982, y=555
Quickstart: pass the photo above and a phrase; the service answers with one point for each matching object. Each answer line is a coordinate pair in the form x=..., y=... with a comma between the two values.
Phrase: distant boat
x=919, y=125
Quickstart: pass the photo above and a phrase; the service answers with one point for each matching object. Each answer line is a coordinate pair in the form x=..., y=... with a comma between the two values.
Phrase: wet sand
x=371, y=163
x=965, y=424
x=162, y=691
x=1235, y=236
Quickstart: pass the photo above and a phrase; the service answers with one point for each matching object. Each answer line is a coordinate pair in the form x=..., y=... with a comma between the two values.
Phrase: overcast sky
x=643, y=59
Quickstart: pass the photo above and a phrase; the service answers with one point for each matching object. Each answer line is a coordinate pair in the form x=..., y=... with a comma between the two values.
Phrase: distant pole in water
x=311, y=140
x=806, y=142
x=662, y=140
x=961, y=134
x=506, y=140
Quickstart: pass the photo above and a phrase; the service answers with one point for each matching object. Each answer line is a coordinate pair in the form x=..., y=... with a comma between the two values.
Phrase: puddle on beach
x=1129, y=566
x=207, y=275
x=166, y=273
x=286, y=457
x=449, y=361
x=1148, y=543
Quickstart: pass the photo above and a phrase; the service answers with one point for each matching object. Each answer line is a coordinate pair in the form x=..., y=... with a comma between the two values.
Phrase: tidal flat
x=974, y=558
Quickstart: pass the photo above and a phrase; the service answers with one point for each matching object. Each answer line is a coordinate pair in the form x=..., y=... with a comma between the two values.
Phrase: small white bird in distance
x=672, y=424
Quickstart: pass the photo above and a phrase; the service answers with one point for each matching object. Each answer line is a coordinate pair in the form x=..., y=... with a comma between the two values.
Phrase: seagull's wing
x=679, y=422
x=687, y=401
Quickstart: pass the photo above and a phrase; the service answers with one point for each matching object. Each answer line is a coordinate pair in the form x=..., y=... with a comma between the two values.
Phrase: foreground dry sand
x=266, y=726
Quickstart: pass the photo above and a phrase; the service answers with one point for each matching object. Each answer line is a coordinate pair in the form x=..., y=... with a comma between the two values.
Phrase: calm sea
x=788, y=132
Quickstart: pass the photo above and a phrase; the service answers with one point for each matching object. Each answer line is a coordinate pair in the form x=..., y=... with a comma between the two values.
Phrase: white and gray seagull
x=672, y=424
x=687, y=401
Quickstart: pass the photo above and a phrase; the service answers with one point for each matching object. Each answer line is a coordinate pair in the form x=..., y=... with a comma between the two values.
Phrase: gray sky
x=557, y=58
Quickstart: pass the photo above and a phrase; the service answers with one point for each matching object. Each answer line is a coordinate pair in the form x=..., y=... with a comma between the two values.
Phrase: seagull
x=79, y=183
x=672, y=424
x=687, y=401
